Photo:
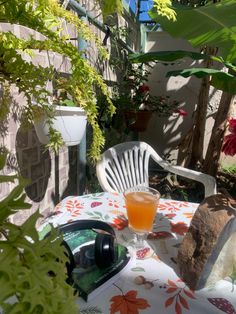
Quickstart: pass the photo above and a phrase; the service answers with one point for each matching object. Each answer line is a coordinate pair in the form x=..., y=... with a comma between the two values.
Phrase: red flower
x=229, y=145
x=232, y=125
x=181, y=112
x=144, y=88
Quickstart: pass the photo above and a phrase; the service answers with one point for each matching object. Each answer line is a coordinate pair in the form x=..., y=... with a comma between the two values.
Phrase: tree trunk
x=185, y=149
x=211, y=162
x=196, y=139
x=200, y=124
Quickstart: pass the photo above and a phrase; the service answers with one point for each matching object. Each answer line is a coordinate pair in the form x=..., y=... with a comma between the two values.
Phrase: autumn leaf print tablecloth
x=151, y=284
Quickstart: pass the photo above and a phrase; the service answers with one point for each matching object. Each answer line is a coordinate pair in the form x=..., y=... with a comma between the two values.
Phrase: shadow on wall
x=71, y=187
x=34, y=163
x=166, y=133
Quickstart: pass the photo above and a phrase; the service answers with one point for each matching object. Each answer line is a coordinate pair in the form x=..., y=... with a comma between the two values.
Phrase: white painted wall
x=164, y=134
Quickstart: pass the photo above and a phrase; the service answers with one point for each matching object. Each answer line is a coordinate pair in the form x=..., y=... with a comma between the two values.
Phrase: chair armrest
x=208, y=181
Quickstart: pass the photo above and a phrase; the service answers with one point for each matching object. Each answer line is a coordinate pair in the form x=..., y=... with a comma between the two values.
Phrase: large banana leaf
x=221, y=80
x=167, y=56
x=213, y=25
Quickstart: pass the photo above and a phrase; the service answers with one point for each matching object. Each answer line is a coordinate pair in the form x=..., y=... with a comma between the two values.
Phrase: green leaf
x=210, y=25
x=137, y=269
x=233, y=275
x=68, y=102
x=7, y=178
x=167, y=56
x=220, y=80
x=28, y=228
x=109, y=7
x=3, y=157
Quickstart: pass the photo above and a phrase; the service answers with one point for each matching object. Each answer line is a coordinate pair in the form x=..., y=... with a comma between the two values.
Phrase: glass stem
x=139, y=240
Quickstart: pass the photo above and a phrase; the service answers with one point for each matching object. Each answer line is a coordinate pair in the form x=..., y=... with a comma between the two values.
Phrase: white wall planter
x=69, y=121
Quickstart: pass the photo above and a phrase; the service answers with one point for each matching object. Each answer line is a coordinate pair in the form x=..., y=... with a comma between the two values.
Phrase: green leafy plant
x=229, y=169
x=33, y=272
x=47, y=17
x=108, y=7
x=219, y=79
x=134, y=94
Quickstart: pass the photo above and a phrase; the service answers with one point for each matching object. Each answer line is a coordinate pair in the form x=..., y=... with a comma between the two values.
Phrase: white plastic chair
x=126, y=165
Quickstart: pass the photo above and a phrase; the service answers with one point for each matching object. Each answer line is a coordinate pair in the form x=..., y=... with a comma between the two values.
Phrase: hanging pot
x=69, y=121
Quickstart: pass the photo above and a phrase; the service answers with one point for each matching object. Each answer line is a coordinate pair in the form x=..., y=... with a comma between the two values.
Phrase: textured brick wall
x=50, y=177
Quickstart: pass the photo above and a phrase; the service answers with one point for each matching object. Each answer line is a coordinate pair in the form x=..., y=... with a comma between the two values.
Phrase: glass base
x=139, y=248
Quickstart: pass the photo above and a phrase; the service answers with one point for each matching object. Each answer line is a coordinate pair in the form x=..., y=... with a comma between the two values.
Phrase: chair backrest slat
x=136, y=166
x=140, y=162
x=124, y=165
x=112, y=176
x=127, y=166
x=117, y=170
x=131, y=167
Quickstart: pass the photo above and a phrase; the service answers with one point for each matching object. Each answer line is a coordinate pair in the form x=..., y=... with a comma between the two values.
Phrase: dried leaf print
x=178, y=309
x=171, y=290
x=120, y=222
x=189, y=294
x=223, y=305
x=167, y=206
x=177, y=299
x=75, y=213
x=180, y=228
x=183, y=302
x=169, y=301
x=73, y=204
x=171, y=283
x=188, y=215
x=113, y=203
x=170, y=216
x=128, y=303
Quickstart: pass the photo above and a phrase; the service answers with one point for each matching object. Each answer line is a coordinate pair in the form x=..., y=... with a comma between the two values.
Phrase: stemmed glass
x=141, y=205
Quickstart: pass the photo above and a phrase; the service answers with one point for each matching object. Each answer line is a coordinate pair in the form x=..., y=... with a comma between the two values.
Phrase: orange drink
x=141, y=205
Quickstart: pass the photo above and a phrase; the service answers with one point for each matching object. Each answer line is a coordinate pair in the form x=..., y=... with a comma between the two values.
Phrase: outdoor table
x=150, y=285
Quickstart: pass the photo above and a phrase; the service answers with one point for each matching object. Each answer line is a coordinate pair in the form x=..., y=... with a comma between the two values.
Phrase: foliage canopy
x=210, y=25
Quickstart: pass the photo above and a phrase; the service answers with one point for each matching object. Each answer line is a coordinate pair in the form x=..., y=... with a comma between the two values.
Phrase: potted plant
x=137, y=104
x=69, y=120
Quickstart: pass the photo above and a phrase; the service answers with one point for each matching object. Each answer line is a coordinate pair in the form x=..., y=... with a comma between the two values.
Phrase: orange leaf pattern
x=179, y=289
x=73, y=204
x=188, y=215
x=120, y=222
x=180, y=227
x=128, y=303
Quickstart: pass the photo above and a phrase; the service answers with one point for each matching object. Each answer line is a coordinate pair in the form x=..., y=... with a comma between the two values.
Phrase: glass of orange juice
x=141, y=205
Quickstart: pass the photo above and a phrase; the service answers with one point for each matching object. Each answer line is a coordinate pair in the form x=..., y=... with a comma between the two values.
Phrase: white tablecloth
x=151, y=285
